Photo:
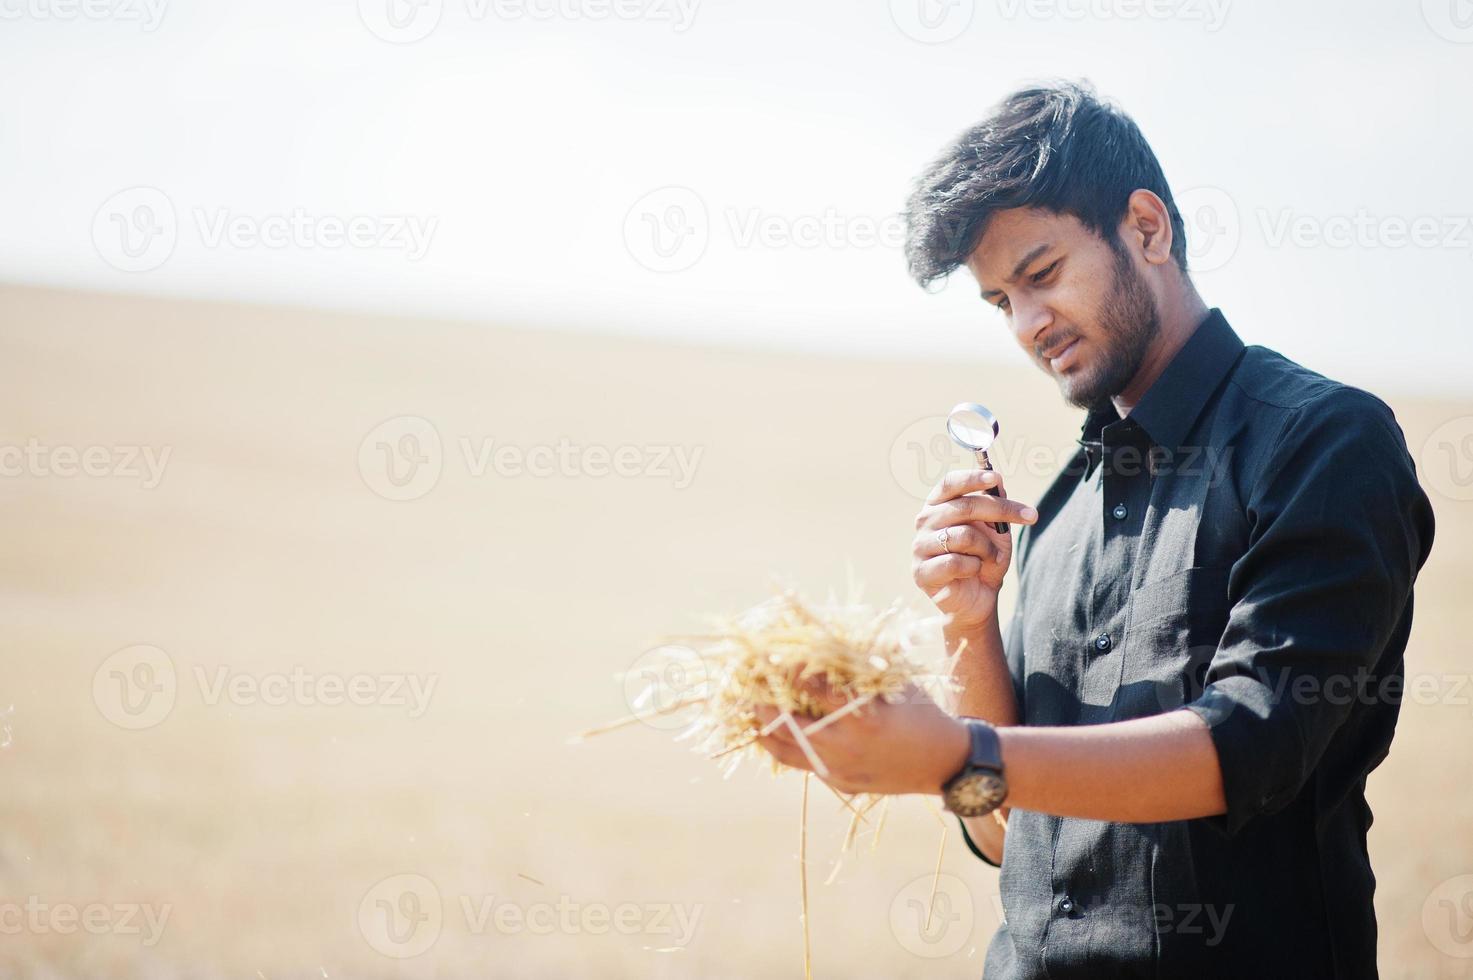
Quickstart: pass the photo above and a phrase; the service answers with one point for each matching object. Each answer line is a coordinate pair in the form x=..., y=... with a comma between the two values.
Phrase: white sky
x=524, y=138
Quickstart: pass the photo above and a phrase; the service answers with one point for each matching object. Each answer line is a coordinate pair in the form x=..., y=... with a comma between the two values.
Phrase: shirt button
x=1102, y=642
x=1119, y=512
x=1067, y=905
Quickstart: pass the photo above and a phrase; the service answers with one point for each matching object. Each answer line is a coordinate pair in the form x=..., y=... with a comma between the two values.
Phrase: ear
x=1147, y=226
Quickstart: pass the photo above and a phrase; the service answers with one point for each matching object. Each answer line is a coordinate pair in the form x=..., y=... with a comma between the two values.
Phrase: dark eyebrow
x=1023, y=263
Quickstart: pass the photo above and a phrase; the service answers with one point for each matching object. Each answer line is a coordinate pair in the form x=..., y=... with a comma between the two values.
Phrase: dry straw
x=768, y=656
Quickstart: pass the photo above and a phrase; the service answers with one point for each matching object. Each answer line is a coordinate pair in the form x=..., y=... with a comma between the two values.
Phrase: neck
x=1179, y=320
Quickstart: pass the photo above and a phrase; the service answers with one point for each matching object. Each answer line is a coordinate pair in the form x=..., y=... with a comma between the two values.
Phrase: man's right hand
x=959, y=558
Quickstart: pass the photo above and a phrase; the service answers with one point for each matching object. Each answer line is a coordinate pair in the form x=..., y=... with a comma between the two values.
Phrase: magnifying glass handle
x=1001, y=527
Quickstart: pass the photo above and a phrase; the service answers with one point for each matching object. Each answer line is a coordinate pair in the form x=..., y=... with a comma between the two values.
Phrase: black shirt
x=1244, y=545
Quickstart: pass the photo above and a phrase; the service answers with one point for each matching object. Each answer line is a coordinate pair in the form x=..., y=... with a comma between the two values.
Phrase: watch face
x=976, y=793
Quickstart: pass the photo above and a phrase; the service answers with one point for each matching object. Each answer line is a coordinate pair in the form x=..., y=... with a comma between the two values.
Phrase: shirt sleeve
x=1339, y=528
x=972, y=845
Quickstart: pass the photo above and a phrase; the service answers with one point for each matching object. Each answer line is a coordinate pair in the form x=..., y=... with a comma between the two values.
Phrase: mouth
x=1062, y=358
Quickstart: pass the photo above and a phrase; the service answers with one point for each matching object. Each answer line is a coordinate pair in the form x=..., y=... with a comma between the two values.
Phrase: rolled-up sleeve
x=1339, y=528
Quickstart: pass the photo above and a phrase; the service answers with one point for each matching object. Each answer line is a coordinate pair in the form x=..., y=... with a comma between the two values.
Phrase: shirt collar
x=1174, y=401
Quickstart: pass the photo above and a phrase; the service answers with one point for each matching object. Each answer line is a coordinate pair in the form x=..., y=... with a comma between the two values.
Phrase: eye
x=1038, y=277
x=1004, y=305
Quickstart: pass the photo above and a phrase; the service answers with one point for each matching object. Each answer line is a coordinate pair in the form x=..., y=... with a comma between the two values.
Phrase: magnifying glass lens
x=974, y=428
x=971, y=430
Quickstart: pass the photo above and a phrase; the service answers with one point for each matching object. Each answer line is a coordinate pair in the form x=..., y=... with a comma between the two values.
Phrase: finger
x=959, y=482
x=977, y=508
x=933, y=573
x=786, y=752
x=963, y=539
x=766, y=714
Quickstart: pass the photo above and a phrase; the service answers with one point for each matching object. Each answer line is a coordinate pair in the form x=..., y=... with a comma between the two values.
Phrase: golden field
x=361, y=690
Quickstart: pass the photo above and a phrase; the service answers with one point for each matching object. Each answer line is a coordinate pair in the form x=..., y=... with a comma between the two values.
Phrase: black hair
x=1054, y=146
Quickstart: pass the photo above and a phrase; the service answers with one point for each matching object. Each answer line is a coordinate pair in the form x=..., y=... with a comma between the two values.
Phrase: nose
x=1030, y=320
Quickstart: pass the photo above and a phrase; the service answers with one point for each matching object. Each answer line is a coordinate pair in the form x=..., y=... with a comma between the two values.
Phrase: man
x=1214, y=596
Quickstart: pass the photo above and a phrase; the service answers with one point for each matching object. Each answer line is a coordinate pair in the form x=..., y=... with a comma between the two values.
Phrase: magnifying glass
x=974, y=428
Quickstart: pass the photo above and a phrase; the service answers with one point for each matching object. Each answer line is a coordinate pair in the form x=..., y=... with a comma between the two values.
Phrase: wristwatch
x=979, y=787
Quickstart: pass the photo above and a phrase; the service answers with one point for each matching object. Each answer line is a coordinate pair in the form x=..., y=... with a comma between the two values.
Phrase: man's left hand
x=909, y=746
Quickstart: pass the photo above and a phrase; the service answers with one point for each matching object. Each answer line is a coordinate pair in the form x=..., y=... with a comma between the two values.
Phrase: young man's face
x=1079, y=308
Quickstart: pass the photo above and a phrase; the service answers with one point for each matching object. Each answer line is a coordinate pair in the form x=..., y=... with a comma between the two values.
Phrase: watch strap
x=986, y=749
